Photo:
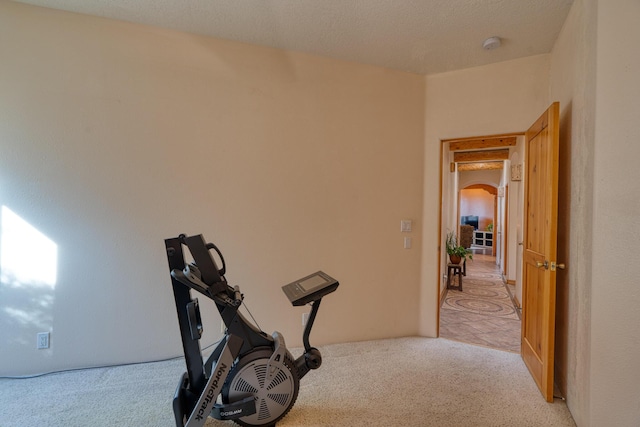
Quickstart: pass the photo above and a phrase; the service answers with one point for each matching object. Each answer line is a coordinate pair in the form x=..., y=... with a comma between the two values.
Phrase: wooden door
x=540, y=248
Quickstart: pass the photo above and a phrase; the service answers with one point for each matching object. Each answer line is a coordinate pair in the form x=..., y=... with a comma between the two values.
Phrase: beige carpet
x=395, y=382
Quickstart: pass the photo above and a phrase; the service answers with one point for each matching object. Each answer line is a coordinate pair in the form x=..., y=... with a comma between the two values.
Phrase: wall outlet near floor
x=42, y=340
x=305, y=318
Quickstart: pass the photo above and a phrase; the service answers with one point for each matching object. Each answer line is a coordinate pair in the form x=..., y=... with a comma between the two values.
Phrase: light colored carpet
x=395, y=382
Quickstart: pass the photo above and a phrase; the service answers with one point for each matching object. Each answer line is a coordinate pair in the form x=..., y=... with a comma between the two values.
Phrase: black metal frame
x=241, y=336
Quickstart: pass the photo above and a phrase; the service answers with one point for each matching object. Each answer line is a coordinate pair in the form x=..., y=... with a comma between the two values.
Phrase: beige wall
x=516, y=219
x=489, y=177
x=594, y=69
x=615, y=343
x=115, y=136
x=493, y=99
x=572, y=83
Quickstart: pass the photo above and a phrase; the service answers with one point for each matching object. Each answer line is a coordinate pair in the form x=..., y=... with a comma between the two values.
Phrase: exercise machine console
x=251, y=377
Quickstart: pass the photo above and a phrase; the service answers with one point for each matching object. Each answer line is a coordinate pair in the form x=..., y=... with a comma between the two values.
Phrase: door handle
x=544, y=264
x=561, y=266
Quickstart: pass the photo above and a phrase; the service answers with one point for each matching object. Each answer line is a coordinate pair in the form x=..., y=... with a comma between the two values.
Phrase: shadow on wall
x=28, y=275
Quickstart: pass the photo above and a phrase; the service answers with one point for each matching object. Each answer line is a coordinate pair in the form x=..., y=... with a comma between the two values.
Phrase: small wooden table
x=455, y=270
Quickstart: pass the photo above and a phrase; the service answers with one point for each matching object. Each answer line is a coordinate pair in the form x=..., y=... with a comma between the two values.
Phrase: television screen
x=470, y=220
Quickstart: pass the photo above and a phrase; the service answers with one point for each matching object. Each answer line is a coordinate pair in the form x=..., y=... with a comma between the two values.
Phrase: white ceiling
x=419, y=36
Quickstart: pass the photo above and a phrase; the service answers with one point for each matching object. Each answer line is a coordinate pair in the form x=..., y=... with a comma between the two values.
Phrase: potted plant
x=455, y=251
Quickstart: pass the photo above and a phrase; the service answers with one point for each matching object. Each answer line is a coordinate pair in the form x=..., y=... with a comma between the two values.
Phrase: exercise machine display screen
x=312, y=283
x=310, y=288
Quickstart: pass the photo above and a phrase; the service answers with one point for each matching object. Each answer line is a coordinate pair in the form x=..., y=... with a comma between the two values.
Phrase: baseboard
x=516, y=302
x=511, y=294
x=443, y=294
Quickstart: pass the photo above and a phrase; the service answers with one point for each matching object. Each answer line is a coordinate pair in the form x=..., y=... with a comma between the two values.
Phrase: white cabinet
x=483, y=239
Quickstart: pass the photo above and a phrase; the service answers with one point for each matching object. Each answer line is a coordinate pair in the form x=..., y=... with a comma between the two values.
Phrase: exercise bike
x=251, y=377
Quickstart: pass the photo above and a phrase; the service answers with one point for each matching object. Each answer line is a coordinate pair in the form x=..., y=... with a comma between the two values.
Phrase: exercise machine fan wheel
x=274, y=395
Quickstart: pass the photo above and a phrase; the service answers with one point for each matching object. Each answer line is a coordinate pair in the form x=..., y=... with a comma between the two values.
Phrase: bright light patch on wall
x=27, y=257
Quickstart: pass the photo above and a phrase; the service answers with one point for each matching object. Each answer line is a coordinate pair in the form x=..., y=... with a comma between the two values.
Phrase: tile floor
x=483, y=313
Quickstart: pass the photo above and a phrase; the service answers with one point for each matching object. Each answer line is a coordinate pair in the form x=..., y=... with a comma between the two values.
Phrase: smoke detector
x=492, y=43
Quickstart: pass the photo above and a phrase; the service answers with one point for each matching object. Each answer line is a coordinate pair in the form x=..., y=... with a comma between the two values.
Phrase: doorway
x=484, y=312
x=477, y=206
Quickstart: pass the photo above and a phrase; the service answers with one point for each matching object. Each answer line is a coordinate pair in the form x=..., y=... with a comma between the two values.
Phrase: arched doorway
x=477, y=206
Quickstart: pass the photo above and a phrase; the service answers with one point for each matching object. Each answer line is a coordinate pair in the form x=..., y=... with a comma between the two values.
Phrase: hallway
x=483, y=313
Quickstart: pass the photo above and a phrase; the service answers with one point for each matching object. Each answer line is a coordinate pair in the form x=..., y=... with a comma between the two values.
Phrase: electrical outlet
x=42, y=340
x=305, y=318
